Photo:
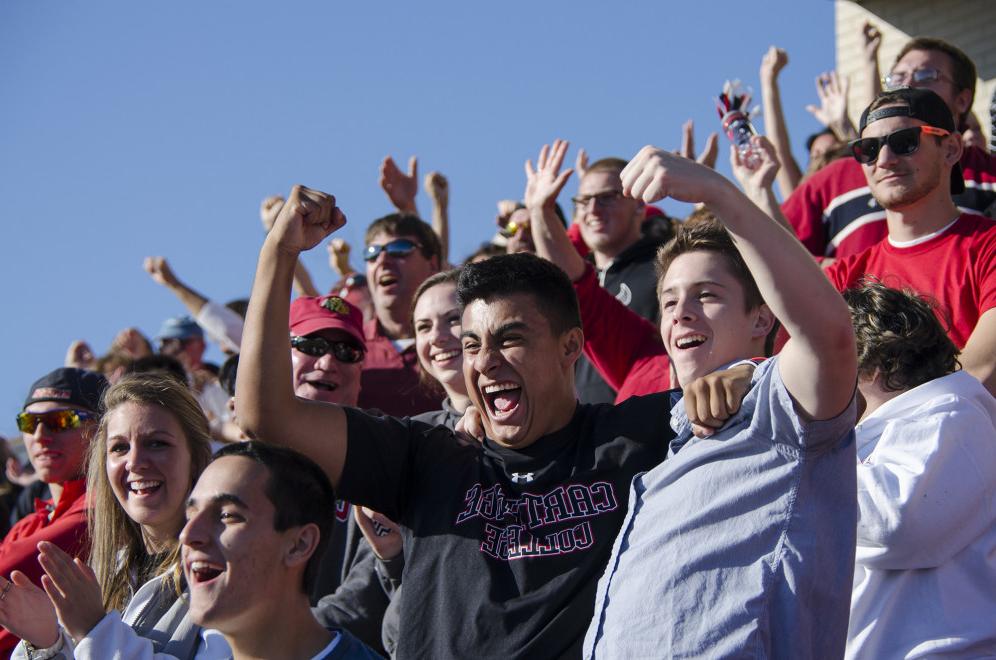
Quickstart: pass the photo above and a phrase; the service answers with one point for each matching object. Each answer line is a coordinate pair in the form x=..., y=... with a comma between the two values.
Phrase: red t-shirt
x=957, y=269
x=834, y=214
x=66, y=529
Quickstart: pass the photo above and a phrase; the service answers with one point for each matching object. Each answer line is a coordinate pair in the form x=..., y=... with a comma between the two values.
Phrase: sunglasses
x=55, y=420
x=903, y=142
x=399, y=247
x=343, y=351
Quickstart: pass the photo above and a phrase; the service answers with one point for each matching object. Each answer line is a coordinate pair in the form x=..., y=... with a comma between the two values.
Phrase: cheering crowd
x=764, y=430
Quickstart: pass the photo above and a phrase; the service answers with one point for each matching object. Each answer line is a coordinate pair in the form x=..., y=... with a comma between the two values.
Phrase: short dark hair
x=899, y=336
x=406, y=224
x=299, y=490
x=509, y=274
x=964, y=73
x=817, y=135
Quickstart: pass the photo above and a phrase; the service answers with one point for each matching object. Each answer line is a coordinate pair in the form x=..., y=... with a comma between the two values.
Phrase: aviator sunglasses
x=55, y=420
x=399, y=247
x=343, y=351
x=903, y=142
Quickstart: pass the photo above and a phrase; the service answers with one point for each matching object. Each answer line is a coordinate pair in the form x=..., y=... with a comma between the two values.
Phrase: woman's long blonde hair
x=117, y=550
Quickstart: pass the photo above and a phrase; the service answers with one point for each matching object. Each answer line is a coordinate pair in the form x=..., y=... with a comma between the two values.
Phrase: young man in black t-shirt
x=505, y=540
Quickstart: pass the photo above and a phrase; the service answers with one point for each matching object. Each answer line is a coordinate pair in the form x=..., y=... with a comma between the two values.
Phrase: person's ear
x=954, y=146
x=571, y=343
x=302, y=543
x=962, y=103
x=764, y=322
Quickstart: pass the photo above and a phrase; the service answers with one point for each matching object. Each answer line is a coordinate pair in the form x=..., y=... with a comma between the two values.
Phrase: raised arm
x=266, y=406
x=439, y=191
x=818, y=365
x=871, y=39
x=161, y=273
x=604, y=318
x=268, y=212
x=756, y=182
x=774, y=119
x=832, y=111
x=399, y=187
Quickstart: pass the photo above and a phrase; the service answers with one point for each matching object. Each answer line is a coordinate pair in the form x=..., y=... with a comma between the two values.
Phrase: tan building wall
x=968, y=24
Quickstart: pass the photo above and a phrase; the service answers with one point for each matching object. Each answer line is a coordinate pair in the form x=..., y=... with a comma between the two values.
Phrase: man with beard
x=910, y=151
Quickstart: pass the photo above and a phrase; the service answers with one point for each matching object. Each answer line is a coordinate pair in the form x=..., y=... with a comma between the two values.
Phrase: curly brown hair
x=900, y=339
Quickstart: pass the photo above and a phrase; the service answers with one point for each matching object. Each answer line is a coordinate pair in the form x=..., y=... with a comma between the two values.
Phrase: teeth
x=443, y=357
x=143, y=485
x=202, y=566
x=500, y=387
x=690, y=340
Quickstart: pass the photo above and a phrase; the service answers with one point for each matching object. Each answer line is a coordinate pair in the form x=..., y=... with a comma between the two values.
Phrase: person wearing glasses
x=401, y=252
x=834, y=213
x=911, y=154
x=610, y=225
x=60, y=414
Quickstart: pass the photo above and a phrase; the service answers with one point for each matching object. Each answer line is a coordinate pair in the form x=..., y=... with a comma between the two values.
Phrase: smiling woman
x=152, y=444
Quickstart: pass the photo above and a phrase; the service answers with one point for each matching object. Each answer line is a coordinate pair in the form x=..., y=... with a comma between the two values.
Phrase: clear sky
x=130, y=129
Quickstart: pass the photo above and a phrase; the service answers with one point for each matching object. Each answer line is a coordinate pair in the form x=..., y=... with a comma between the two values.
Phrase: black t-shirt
x=503, y=548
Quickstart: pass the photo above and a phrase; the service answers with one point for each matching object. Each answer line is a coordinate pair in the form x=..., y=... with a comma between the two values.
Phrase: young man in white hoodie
x=925, y=572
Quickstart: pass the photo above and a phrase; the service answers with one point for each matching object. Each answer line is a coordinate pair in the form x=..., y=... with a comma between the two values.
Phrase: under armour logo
x=522, y=477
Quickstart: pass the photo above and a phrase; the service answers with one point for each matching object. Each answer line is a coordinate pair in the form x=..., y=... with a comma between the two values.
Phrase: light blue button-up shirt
x=738, y=545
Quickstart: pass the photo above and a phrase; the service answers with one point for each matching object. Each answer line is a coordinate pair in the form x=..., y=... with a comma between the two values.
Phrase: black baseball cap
x=76, y=388
x=921, y=104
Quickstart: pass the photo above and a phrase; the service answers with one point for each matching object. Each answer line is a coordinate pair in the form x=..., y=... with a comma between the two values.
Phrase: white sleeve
x=113, y=638
x=926, y=490
x=222, y=325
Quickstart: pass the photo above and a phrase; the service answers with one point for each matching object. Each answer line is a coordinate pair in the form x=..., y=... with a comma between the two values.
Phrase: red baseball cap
x=310, y=314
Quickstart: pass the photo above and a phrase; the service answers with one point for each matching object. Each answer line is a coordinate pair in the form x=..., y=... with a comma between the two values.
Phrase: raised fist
x=160, y=272
x=305, y=220
x=269, y=209
x=438, y=188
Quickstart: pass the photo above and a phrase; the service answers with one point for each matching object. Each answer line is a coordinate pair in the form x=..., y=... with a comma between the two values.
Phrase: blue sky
x=130, y=129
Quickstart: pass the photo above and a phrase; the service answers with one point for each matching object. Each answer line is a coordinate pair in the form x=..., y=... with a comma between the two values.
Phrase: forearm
x=774, y=125
x=441, y=225
x=764, y=199
x=979, y=355
x=872, y=84
x=192, y=300
x=552, y=242
x=302, y=280
x=819, y=364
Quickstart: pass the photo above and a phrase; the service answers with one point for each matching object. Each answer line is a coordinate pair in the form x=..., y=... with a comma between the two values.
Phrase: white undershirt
x=922, y=239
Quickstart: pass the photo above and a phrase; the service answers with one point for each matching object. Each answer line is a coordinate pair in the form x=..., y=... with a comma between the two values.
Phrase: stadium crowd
x=764, y=430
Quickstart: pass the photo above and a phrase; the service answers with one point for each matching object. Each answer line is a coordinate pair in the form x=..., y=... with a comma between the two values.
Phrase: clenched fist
x=305, y=220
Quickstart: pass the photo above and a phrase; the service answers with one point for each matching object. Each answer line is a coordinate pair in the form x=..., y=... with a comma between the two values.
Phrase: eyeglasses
x=602, y=199
x=343, y=351
x=513, y=227
x=399, y=247
x=55, y=420
x=903, y=142
x=897, y=79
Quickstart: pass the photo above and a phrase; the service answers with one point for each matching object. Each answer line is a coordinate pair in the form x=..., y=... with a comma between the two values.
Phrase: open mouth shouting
x=321, y=384
x=502, y=400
